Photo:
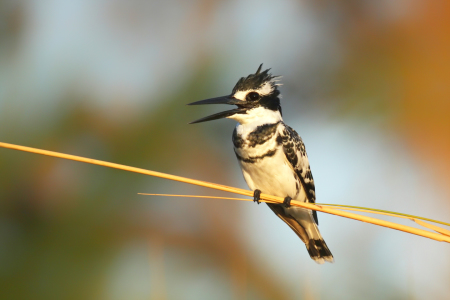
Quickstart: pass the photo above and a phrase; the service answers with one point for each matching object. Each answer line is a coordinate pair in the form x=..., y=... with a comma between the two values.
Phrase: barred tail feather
x=301, y=221
x=319, y=252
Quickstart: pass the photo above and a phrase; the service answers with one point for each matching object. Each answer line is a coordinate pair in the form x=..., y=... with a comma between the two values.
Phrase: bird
x=272, y=155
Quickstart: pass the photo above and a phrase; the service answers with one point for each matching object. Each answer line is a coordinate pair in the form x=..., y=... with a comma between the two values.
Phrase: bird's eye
x=253, y=96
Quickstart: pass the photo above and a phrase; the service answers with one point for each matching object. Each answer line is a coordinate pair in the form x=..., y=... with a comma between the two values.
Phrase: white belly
x=272, y=175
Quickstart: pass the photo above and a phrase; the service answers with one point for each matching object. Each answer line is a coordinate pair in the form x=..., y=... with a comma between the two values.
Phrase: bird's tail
x=318, y=250
x=316, y=246
x=302, y=222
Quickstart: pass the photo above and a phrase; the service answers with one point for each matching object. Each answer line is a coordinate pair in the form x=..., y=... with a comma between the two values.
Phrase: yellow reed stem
x=420, y=232
x=341, y=207
x=197, y=196
x=433, y=227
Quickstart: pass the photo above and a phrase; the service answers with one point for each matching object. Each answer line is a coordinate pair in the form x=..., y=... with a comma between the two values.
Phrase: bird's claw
x=287, y=201
x=256, y=196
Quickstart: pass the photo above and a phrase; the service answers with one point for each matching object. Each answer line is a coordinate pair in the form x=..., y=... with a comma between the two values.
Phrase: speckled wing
x=295, y=152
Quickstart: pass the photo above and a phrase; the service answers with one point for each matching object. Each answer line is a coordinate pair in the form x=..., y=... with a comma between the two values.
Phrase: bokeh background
x=366, y=84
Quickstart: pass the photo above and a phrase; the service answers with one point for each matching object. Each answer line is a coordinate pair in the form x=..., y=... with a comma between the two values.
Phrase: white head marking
x=265, y=89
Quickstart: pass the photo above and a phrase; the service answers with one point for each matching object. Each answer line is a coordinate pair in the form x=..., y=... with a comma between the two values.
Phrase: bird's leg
x=256, y=194
x=287, y=201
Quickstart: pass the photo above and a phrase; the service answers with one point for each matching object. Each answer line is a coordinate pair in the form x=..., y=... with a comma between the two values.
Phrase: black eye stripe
x=252, y=96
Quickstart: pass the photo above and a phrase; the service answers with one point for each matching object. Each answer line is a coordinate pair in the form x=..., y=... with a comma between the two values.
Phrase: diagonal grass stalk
x=325, y=209
x=339, y=206
x=383, y=212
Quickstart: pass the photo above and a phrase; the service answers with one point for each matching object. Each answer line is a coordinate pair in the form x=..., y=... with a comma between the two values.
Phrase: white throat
x=257, y=116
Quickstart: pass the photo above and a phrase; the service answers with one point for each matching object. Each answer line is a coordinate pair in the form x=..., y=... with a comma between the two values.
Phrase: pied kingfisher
x=272, y=155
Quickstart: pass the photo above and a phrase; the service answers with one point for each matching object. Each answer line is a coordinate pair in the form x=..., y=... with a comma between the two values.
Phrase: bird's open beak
x=224, y=114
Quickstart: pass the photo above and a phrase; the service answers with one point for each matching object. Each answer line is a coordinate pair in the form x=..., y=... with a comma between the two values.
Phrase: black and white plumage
x=272, y=155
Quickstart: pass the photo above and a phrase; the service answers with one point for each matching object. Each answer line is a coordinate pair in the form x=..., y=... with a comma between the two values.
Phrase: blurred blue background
x=366, y=85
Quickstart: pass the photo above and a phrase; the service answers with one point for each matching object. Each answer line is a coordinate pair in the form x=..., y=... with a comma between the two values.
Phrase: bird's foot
x=287, y=201
x=256, y=196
